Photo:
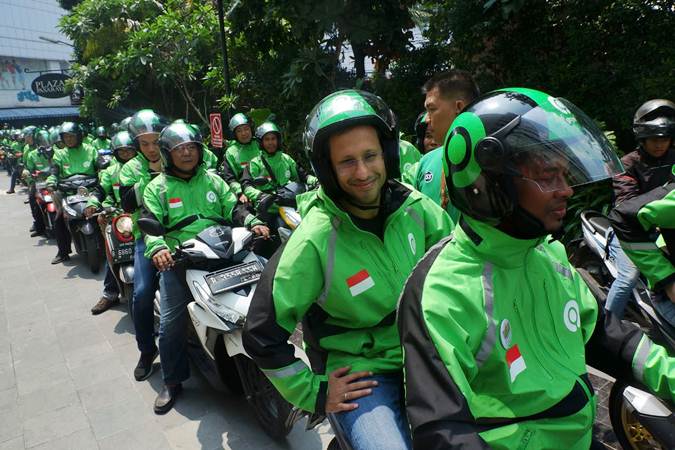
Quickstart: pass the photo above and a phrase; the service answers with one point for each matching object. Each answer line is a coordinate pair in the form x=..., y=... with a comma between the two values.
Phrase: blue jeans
x=144, y=295
x=110, y=289
x=627, y=277
x=379, y=423
x=175, y=297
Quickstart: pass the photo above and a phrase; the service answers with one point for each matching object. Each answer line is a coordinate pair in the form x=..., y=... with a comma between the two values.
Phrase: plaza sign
x=50, y=85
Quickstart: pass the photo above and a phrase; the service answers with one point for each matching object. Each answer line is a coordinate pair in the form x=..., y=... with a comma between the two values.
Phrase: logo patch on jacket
x=211, y=197
x=515, y=361
x=428, y=176
x=360, y=282
x=413, y=244
x=175, y=202
x=571, y=316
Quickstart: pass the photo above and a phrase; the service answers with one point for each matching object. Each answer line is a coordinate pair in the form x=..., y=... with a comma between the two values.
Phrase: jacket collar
x=490, y=244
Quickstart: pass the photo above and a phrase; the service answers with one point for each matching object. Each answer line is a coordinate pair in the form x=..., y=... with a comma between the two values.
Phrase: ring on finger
x=345, y=396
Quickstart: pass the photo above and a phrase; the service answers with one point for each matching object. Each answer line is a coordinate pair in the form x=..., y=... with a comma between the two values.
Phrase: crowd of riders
x=438, y=307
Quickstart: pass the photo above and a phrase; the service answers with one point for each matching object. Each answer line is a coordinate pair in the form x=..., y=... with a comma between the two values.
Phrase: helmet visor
x=557, y=146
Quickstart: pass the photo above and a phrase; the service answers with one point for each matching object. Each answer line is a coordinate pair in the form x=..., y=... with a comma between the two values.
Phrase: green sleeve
x=251, y=192
x=105, y=181
x=658, y=213
x=52, y=180
x=231, y=160
x=153, y=203
x=227, y=198
x=437, y=223
x=652, y=366
x=210, y=159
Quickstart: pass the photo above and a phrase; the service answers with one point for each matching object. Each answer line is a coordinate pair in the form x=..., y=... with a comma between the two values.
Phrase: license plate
x=48, y=198
x=233, y=277
x=124, y=252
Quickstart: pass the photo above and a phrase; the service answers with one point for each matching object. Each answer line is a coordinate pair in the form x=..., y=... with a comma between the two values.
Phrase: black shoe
x=166, y=398
x=103, y=305
x=145, y=365
x=32, y=228
x=37, y=233
x=60, y=258
x=11, y=191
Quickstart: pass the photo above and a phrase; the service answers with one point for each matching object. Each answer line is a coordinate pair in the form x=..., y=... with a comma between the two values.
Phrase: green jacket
x=635, y=221
x=173, y=201
x=210, y=159
x=430, y=179
x=27, y=150
x=100, y=144
x=496, y=330
x=409, y=156
x=108, y=192
x=237, y=157
x=134, y=177
x=35, y=162
x=71, y=161
x=284, y=168
x=343, y=284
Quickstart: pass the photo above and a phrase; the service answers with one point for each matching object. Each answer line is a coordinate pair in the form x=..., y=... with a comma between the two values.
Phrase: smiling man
x=341, y=274
x=496, y=326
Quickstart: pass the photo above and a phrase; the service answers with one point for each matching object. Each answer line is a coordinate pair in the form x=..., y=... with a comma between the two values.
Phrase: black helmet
x=342, y=110
x=175, y=135
x=655, y=118
x=119, y=141
x=71, y=128
x=497, y=133
x=266, y=128
x=421, y=126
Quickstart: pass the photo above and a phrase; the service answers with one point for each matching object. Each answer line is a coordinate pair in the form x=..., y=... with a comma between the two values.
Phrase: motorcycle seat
x=599, y=222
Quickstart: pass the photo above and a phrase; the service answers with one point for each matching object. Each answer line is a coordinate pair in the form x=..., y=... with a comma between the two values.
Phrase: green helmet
x=175, y=135
x=119, y=141
x=71, y=128
x=342, y=110
x=101, y=132
x=421, y=125
x=55, y=136
x=143, y=122
x=489, y=142
x=124, y=124
x=265, y=128
x=238, y=120
x=41, y=138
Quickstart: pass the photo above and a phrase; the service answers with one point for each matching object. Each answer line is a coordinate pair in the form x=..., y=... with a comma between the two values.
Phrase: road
x=66, y=377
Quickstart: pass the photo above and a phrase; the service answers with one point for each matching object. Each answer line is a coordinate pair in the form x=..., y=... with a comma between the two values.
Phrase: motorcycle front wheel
x=272, y=411
x=630, y=433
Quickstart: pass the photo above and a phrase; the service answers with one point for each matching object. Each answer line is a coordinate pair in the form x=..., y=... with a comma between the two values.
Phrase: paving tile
x=80, y=440
x=7, y=376
x=10, y=425
x=109, y=420
x=54, y=425
x=9, y=399
x=32, y=380
x=13, y=444
x=55, y=397
x=108, y=393
x=146, y=435
x=38, y=354
x=210, y=432
x=77, y=338
x=102, y=370
x=88, y=354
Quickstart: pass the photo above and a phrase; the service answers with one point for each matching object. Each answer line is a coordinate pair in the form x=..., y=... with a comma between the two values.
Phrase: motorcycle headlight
x=82, y=191
x=290, y=216
x=124, y=225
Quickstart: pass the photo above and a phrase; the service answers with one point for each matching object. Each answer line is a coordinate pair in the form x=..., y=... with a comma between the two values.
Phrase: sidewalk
x=66, y=377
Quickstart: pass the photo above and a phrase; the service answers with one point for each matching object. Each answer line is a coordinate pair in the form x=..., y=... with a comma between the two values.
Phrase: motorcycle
x=45, y=202
x=640, y=420
x=221, y=272
x=283, y=203
x=119, y=250
x=84, y=231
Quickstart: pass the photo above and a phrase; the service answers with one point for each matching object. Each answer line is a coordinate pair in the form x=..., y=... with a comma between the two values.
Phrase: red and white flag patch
x=515, y=361
x=175, y=202
x=360, y=282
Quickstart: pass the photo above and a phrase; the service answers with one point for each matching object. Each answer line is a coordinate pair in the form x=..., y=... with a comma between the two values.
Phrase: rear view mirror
x=151, y=227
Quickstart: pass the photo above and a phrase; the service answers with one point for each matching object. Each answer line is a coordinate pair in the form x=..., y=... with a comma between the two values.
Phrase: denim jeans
x=144, y=294
x=627, y=276
x=175, y=297
x=665, y=307
x=379, y=423
x=110, y=289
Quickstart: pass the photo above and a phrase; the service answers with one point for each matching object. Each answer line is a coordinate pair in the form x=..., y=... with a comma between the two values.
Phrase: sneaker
x=60, y=258
x=103, y=305
x=145, y=365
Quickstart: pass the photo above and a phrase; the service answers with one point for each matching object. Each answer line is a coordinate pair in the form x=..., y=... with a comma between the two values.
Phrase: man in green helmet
x=101, y=142
x=37, y=169
x=239, y=154
x=107, y=194
x=272, y=164
x=75, y=158
x=341, y=274
x=496, y=326
x=144, y=128
x=186, y=199
x=446, y=94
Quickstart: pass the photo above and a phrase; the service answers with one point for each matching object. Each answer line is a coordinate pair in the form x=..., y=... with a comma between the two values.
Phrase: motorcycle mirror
x=151, y=227
x=260, y=181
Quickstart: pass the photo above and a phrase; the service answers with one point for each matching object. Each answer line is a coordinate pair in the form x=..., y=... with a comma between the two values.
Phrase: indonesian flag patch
x=360, y=282
x=515, y=361
x=175, y=202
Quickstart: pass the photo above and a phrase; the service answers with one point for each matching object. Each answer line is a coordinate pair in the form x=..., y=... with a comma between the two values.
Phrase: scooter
x=84, y=231
x=640, y=420
x=119, y=250
x=283, y=202
x=222, y=272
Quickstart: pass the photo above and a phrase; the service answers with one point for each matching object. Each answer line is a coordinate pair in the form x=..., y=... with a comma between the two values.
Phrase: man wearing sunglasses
x=341, y=274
